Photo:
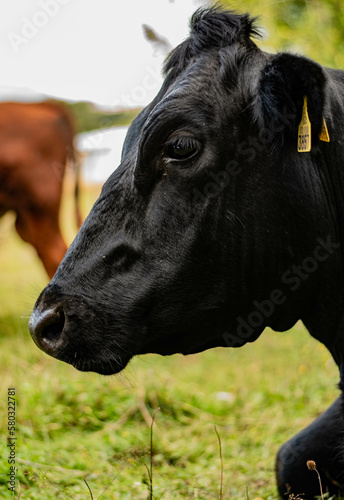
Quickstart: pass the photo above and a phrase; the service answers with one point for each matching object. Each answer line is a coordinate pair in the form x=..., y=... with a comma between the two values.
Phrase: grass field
x=72, y=426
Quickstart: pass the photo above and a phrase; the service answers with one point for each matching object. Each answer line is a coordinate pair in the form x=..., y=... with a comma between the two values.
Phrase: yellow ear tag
x=323, y=136
x=304, y=132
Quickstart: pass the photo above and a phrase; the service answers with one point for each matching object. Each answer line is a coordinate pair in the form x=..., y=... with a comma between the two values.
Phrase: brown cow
x=36, y=142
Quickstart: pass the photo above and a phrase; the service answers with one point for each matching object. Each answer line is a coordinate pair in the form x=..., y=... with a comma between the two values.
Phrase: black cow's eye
x=181, y=148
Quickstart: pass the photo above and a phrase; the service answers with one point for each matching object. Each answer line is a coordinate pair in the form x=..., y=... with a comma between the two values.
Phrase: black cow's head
x=209, y=209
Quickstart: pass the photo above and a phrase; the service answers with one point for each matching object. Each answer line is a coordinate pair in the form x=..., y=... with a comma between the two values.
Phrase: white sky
x=88, y=49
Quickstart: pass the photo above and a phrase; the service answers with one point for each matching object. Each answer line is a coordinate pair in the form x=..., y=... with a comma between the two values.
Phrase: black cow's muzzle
x=69, y=329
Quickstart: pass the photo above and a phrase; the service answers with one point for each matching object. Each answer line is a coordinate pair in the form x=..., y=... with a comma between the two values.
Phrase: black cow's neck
x=329, y=325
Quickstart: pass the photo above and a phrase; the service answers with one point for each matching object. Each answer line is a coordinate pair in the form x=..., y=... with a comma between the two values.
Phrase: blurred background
x=101, y=61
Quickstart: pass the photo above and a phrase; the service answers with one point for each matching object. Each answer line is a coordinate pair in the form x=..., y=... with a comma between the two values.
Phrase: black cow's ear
x=279, y=101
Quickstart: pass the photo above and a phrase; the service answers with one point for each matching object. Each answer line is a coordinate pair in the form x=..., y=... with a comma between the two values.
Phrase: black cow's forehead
x=194, y=77
x=190, y=95
x=177, y=110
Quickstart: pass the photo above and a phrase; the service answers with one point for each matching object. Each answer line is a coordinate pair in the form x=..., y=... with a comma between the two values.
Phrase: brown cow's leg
x=43, y=233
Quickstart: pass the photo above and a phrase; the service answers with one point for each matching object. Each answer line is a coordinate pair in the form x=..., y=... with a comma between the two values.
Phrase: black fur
x=211, y=28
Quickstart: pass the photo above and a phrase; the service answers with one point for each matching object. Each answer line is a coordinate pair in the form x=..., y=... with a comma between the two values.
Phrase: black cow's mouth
x=109, y=366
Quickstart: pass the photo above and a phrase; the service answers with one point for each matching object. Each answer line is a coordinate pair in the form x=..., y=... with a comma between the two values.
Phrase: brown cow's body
x=36, y=142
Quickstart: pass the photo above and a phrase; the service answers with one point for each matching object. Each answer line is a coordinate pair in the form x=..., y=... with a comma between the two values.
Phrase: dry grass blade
x=221, y=460
x=108, y=486
x=112, y=426
x=143, y=409
x=150, y=471
x=52, y=467
x=89, y=489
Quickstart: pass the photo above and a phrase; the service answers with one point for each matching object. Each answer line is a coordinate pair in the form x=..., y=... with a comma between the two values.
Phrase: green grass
x=73, y=426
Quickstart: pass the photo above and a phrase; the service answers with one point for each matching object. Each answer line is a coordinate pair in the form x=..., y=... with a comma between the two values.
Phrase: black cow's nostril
x=52, y=330
x=46, y=329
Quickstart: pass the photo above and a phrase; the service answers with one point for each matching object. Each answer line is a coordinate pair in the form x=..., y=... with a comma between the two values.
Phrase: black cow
x=216, y=225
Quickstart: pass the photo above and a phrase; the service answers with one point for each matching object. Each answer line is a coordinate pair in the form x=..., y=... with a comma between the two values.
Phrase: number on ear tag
x=304, y=132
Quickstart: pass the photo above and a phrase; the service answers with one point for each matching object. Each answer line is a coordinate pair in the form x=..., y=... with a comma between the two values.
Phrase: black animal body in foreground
x=216, y=226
